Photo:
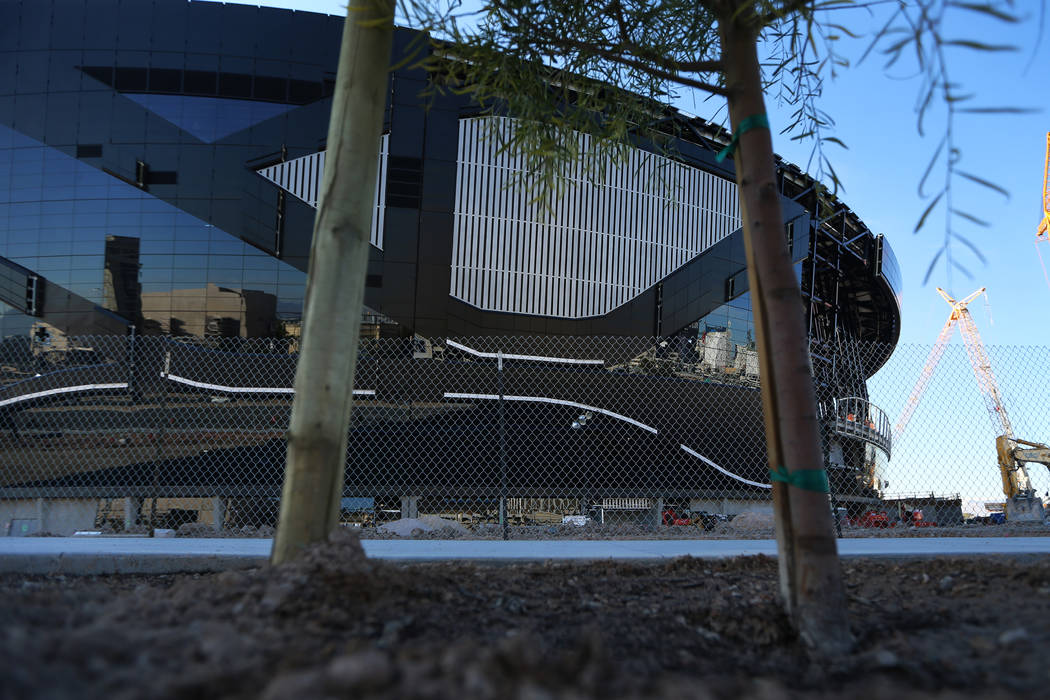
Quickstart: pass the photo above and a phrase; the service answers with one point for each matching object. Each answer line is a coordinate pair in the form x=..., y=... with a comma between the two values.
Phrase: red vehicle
x=918, y=521
x=873, y=518
x=672, y=518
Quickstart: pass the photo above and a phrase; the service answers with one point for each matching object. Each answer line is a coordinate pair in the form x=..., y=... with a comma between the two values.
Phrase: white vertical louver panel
x=597, y=247
x=301, y=177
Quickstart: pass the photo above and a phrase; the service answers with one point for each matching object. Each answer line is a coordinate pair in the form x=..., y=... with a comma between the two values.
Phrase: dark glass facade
x=131, y=143
x=133, y=136
x=64, y=219
x=133, y=123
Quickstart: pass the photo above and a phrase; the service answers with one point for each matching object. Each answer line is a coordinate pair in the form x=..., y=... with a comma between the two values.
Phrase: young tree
x=565, y=67
x=605, y=68
x=555, y=64
x=317, y=435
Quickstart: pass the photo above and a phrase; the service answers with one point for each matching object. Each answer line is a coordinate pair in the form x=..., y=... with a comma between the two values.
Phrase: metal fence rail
x=533, y=436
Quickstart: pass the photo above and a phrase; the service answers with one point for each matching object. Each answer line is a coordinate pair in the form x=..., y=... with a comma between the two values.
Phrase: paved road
x=105, y=555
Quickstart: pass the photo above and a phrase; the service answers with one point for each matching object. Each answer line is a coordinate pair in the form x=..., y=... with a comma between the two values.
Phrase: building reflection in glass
x=725, y=342
x=211, y=311
x=100, y=241
x=121, y=289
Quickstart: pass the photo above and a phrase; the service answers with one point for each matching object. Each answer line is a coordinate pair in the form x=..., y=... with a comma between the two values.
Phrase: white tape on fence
x=561, y=402
x=249, y=389
x=532, y=358
x=63, y=390
x=725, y=471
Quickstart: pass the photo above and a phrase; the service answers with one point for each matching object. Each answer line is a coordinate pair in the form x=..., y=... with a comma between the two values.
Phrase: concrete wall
x=58, y=516
x=729, y=506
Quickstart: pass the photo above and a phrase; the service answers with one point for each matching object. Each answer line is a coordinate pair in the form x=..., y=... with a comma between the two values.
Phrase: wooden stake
x=317, y=435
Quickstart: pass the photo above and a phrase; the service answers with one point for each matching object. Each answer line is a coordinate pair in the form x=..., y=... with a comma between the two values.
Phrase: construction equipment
x=1013, y=454
x=1042, y=234
x=1022, y=503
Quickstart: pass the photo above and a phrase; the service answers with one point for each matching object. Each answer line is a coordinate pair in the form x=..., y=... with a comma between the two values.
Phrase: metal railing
x=859, y=418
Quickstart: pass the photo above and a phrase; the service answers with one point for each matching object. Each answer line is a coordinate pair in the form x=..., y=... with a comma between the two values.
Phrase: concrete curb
x=152, y=556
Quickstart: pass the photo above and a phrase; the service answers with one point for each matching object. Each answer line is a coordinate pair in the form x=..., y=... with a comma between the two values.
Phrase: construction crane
x=1043, y=232
x=1022, y=503
x=958, y=307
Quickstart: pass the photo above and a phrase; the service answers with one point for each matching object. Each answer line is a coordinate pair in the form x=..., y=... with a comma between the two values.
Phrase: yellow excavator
x=1013, y=454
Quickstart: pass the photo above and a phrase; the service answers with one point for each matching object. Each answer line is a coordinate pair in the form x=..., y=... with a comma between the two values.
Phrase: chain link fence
x=498, y=437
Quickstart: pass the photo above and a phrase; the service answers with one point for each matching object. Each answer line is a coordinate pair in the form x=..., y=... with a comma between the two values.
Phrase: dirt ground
x=335, y=625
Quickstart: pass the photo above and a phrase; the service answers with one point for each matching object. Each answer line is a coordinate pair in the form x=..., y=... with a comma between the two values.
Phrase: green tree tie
x=805, y=479
x=755, y=121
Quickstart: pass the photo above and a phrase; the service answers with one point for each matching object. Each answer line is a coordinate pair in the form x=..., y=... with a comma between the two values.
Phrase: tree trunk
x=317, y=435
x=810, y=575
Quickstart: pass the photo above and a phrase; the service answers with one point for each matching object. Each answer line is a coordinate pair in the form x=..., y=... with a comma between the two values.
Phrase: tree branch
x=651, y=68
x=648, y=62
x=788, y=8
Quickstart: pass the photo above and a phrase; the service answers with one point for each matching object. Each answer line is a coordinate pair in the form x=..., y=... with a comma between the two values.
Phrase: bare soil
x=336, y=625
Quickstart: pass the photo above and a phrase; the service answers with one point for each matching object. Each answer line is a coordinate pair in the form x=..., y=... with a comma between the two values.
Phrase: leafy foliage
x=611, y=69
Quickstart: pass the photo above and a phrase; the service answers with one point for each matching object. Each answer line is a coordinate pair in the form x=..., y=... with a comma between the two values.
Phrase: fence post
x=218, y=510
x=158, y=454
x=827, y=435
x=131, y=361
x=132, y=511
x=502, y=449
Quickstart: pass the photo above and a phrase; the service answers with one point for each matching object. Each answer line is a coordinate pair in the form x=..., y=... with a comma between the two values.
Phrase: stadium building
x=159, y=168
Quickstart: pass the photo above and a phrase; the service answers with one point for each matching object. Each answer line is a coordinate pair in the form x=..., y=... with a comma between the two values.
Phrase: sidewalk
x=143, y=555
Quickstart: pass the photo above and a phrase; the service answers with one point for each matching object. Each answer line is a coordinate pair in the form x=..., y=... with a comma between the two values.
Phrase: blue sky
x=949, y=445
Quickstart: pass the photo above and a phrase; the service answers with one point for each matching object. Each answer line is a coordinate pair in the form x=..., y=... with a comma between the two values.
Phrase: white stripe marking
x=63, y=390
x=724, y=471
x=535, y=358
x=250, y=389
x=561, y=402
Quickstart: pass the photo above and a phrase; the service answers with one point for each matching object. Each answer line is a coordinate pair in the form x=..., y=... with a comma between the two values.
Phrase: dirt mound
x=335, y=625
x=427, y=524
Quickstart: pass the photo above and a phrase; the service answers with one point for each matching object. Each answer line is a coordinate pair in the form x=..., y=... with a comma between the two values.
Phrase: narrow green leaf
x=962, y=268
x=845, y=30
x=971, y=246
x=923, y=106
x=953, y=97
x=881, y=34
x=985, y=183
x=998, y=110
x=978, y=45
x=987, y=9
x=929, y=166
x=929, y=210
x=970, y=217
x=933, y=264
x=835, y=182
